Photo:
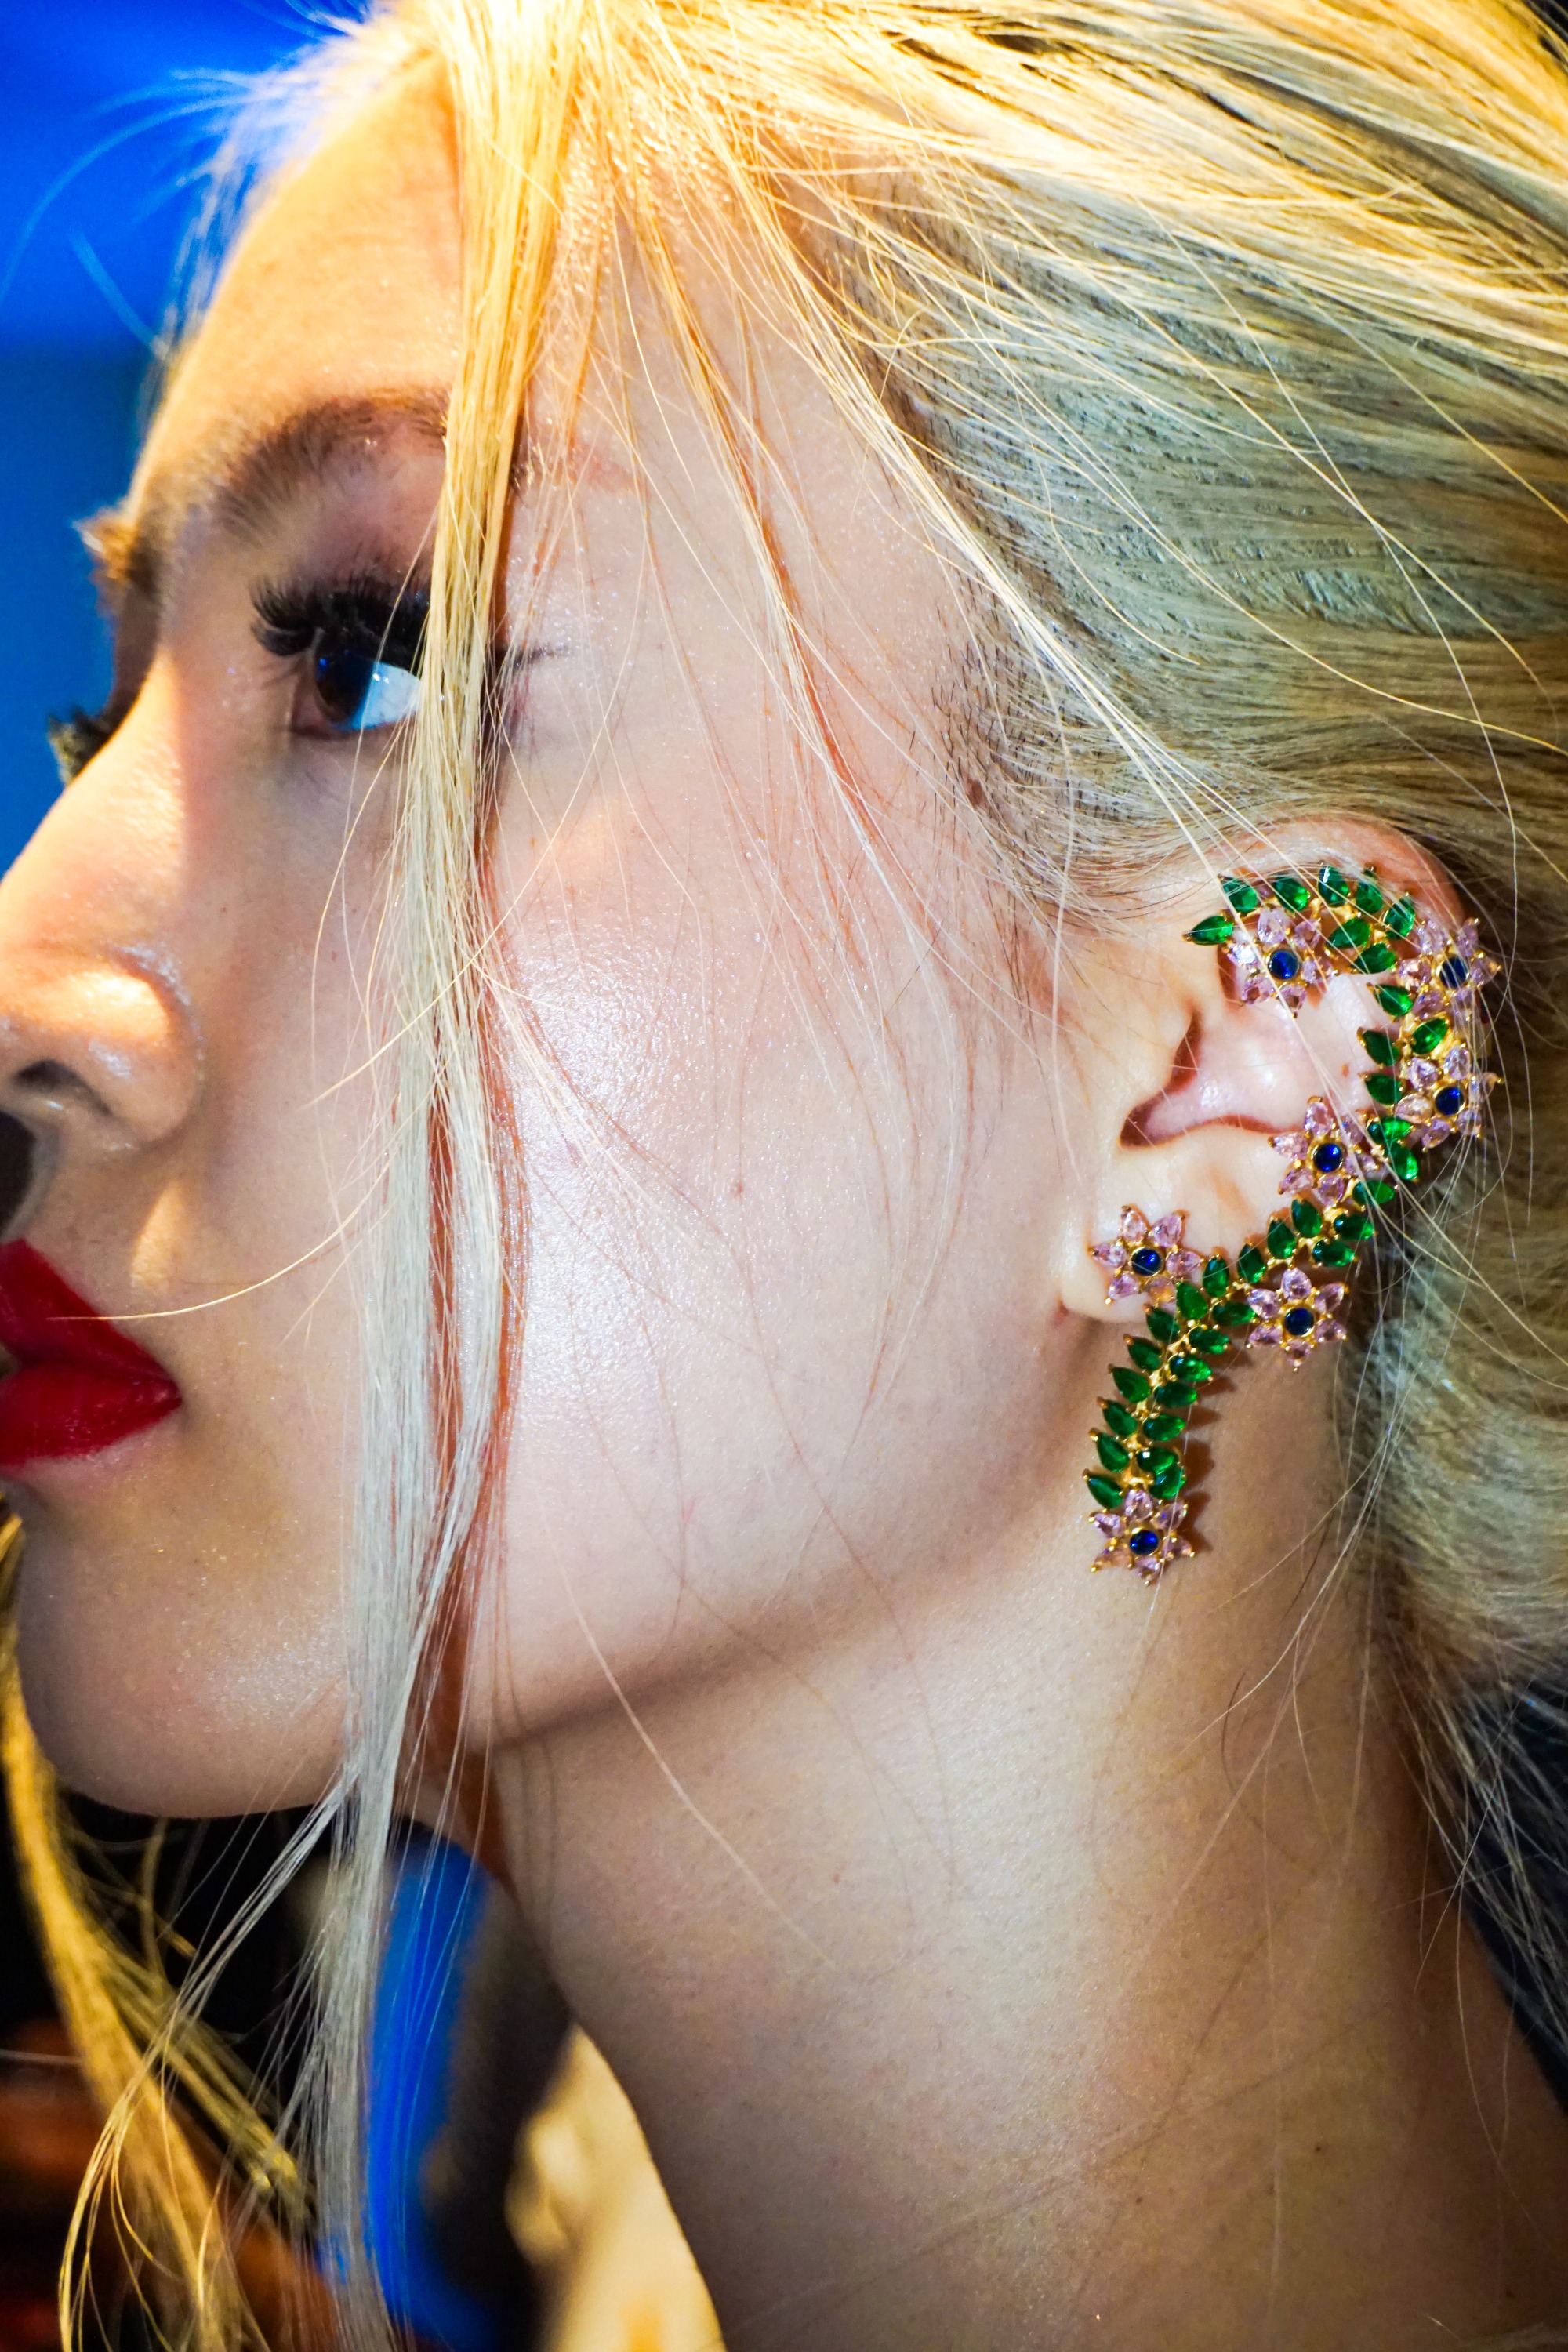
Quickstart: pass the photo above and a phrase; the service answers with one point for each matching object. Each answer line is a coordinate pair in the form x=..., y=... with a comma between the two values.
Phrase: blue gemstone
x=1145, y=1542
x=1329, y=1156
x=1284, y=963
x=1453, y=971
x=1449, y=1101
x=1298, y=1321
x=1148, y=1261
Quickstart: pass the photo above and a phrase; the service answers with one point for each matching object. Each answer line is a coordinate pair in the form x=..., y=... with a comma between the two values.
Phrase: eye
x=357, y=693
x=359, y=642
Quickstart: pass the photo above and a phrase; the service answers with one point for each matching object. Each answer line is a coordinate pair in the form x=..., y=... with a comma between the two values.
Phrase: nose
x=97, y=1054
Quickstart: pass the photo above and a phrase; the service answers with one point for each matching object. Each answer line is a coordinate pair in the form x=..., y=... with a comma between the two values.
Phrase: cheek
x=782, y=1303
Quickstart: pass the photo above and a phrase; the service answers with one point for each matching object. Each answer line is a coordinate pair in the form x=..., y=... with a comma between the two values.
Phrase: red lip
x=80, y=1384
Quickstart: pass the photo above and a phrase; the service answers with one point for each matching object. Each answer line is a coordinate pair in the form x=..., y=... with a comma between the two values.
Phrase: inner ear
x=1254, y=1065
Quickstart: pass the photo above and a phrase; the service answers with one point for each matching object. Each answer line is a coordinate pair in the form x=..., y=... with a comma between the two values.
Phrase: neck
x=1048, y=1961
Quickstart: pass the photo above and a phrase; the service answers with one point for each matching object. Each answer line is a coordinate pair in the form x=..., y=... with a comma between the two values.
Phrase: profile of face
x=808, y=1177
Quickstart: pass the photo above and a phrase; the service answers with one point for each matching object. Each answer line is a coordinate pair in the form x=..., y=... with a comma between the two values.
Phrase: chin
x=145, y=1695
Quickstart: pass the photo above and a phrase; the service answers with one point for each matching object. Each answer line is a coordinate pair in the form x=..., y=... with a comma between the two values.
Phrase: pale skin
x=996, y=1953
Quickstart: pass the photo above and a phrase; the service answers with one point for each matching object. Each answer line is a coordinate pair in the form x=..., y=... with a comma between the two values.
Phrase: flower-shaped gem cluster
x=1146, y=1260
x=1297, y=1315
x=1143, y=1534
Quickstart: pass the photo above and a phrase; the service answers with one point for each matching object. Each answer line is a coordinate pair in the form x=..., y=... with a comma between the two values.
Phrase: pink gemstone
x=1108, y=1523
x=1254, y=989
x=1306, y=936
x=1468, y=939
x=1293, y=1284
x=1331, y=1296
x=1264, y=1302
x=1319, y=1118
x=1290, y=1146
x=1264, y=1335
x=1137, y=1508
x=1134, y=1226
x=1292, y=997
x=1430, y=1003
x=1417, y=1109
x=1422, y=1076
x=1312, y=974
x=1410, y=974
x=1429, y=938
x=1436, y=1131
x=1470, y=1121
x=1329, y=1332
x=1296, y=1179
x=1168, y=1232
x=1123, y=1286
x=1272, y=926
x=1456, y=1061
x=1186, y=1265
x=1112, y=1254
x=1331, y=1191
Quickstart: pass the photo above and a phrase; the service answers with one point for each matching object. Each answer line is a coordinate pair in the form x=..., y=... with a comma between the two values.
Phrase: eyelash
x=364, y=616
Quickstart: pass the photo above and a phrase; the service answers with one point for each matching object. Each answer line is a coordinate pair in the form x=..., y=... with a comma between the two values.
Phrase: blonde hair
x=1220, y=347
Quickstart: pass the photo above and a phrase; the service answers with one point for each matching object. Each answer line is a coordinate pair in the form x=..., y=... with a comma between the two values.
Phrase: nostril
x=16, y=1166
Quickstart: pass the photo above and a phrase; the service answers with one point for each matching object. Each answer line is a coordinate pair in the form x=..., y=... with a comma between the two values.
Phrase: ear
x=1186, y=1085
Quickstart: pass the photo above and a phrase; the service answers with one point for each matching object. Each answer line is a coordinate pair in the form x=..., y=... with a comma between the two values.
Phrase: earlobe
x=1406, y=983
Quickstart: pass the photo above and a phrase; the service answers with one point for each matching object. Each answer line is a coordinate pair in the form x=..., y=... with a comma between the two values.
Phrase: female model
x=791, y=673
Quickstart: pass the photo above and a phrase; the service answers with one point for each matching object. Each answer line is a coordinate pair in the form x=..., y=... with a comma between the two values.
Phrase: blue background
x=108, y=109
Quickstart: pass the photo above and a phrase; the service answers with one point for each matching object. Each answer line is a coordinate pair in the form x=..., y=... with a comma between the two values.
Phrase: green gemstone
x=1213, y=931
x=1112, y=1455
x=1292, y=892
x=1428, y=1036
x=1333, y=888
x=1156, y=1461
x=1334, y=1253
x=1217, y=1276
x=1133, y=1385
x=1106, y=1491
x=1380, y=1047
x=1368, y=895
x=1352, y=1225
x=1163, y=1325
x=1235, y=1314
x=1146, y=1355
x=1207, y=1342
x=1383, y=1086
x=1349, y=937
x=1388, y=1130
x=1401, y=917
x=1280, y=1238
x=1118, y=1419
x=1168, y=1483
x=1405, y=1161
x=1306, y=1218
x=1395, y=1000
x=1192, y=1301
x=1161, y=1427
x=1379, y=957
x=1176, y=1396
x=1242, y=894
x=1250, y=1262
x=1192, y=1369
x=1377, y=1190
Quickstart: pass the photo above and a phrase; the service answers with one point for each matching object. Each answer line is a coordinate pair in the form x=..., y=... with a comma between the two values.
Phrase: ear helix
x=1286, y=937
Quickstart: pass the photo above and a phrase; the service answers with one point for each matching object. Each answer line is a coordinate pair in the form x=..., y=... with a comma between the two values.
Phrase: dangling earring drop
x=1286, y=937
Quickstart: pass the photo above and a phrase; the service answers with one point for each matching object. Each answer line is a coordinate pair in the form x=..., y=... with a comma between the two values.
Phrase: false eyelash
x=365, y=613
x=78, y=737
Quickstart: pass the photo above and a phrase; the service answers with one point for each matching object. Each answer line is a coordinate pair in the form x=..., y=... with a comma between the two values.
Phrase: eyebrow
x=245, y=487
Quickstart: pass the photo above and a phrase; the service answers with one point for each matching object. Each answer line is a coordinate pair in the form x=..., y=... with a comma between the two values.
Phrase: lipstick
x=79, y=1384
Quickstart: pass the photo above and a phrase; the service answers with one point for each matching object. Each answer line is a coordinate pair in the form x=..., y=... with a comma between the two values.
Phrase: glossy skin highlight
x=970, y=1946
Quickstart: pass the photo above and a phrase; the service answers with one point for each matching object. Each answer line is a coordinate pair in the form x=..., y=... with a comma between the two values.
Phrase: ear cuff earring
x=1285, y=937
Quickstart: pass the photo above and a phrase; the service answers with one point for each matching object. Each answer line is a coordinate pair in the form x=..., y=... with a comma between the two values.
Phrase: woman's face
x=791, y=1237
